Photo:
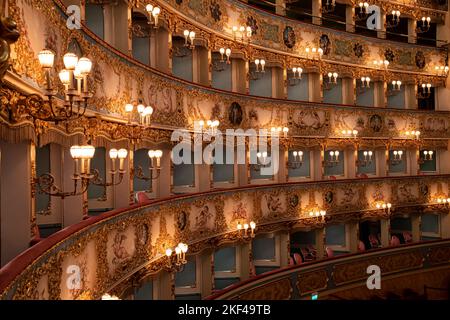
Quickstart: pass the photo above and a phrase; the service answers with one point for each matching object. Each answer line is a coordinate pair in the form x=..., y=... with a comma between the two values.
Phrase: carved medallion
x=289, y=37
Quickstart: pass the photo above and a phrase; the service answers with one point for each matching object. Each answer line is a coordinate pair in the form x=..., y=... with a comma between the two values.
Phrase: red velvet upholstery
x=298, y=258
x=142, y=197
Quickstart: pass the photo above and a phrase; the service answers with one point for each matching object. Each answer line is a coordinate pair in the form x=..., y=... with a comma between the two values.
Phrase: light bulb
x=151, y=154
x=84, y=65
x=46, y=58
x=122, y=153
x=113, y=153
x=222, y=51
x=168, y=252
x=64, y=76
x=70, y=60
x=149, y=8
x=129, y=107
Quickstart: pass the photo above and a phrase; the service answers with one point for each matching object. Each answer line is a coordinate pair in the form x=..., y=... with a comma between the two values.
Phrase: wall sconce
x=144, y=113
x=261, y=63
x=441, y=71
x=332, y=77
x=385, y=206
x=395, y=20
x=261, y=161
x=424, y=25
x=107, y=296
x=367, y=159
x=114, y=154
x=259, y=69
x=244, y=228
x=75, y=80
x=443, y=200
x=298, y=160
x=365, y=82
x=176, y=258
x=381, y=64
x=243, y=32
x=363, y=11
x=189, y=37
x=317, y=213
x=334, y=159
x=82, y=156
x=396, y=85
x=153, y=12
x=427, y=156
x=279, y=130
x=350, y=133
x=329, y=6
x=315, y=52
x=397, y=157
x=425, y=91
x=297, y=76
x=226, y=52
x=155, y=166
x=211, y=127
x=414, y=134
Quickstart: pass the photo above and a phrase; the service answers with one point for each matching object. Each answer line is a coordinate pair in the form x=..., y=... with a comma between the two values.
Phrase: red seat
x=298, y=258
x=142, y=197
x=332, y=177
x=37, y=236
x=374, y=243
x=363, y=176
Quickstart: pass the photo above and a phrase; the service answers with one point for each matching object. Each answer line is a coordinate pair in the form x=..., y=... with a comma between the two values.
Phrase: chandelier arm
x=46, y=184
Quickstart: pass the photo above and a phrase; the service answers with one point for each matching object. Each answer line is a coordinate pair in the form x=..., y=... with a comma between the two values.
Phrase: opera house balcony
x=224, y=150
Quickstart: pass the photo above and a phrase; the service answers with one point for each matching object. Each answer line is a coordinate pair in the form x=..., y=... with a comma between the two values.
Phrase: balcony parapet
x=113, y=246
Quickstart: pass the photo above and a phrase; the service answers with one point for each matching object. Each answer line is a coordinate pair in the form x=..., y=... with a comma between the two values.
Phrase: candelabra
x=332, y=77
x=413, y=134
x=427, y=156
x=442, y=200
x=259, y=69
x=425, y=91
x=367, y=159
x=244, y=228
x=314, y=53
x=155, y=167
x=227, y=52
x=189, y=37
x=242, y=32
x=107, y=296
x=329, y=6
x=114, y=154
x=395, y=19
x=261, y=161
x=441, y=71
x=396, y=85
x=82, y=176
x=144, y=113
x=279, y=130
x=383, y=205
x=334, y=159
x=75, y=80
x=350, y=133
x=210, y=128
x=298, y=160
x=424, y=25
x=365, y=82
x=153, y=12
x=363, y=11
x=316, y=212
x=296, y=76
x=381, y=64
x=176, y=258
x=397, y=158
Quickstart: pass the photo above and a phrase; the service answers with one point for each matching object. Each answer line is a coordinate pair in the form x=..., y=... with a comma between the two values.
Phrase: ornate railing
x=107, y=249
x=345, y=277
